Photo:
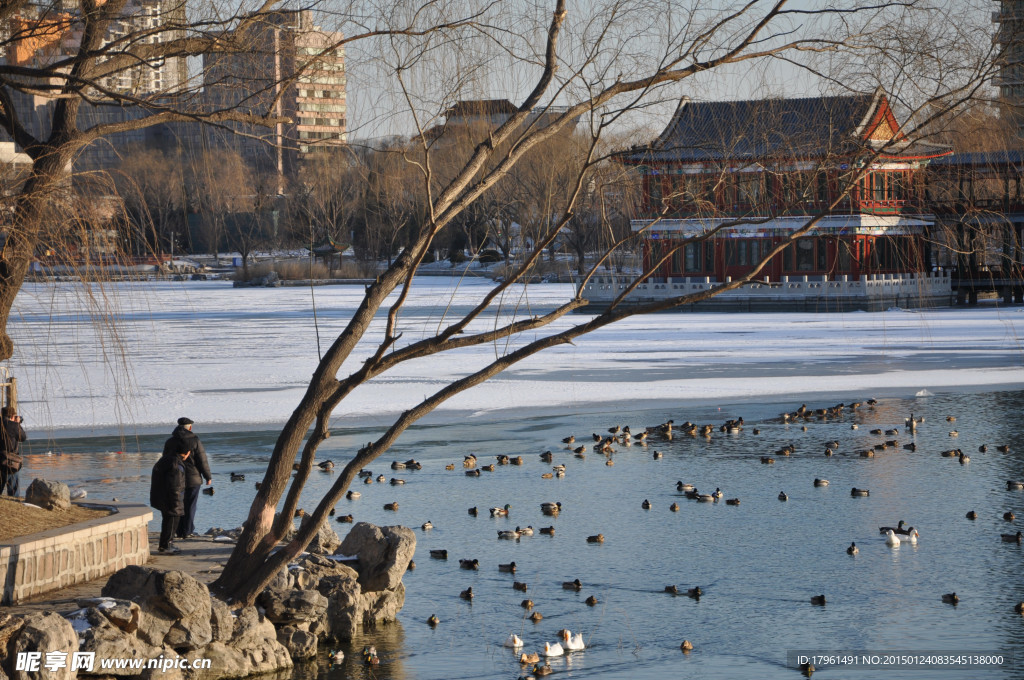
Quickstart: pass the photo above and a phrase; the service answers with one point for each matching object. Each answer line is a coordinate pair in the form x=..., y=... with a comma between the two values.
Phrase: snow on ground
x=241, y=357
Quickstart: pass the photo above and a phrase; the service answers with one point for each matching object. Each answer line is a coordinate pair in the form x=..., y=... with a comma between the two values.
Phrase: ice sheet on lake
x=229, y=357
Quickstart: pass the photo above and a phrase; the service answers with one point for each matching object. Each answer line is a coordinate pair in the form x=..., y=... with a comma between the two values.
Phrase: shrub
x=489, y=256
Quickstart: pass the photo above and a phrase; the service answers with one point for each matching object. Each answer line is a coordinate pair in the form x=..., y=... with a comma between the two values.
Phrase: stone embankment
x=147, y=613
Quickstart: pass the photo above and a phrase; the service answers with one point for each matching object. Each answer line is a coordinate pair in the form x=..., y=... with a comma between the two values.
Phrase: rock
x=301, y=644
x=384, y=554
x=256, y=639
x=43, y=632
x=49, y=495
x=225, y=662
x=318, y=566
x=176, y=607
x=325, y=541
x=124, y=614
x=222, y=621
x=279, y=581
x=292, y=606
x=343, y=597
x=108, y=641
x=9, y=627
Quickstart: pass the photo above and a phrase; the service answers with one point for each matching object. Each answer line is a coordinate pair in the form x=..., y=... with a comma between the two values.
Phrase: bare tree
x=616, y=61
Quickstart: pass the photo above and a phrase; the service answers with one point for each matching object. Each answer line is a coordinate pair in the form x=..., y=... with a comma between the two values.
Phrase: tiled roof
x=805, y=128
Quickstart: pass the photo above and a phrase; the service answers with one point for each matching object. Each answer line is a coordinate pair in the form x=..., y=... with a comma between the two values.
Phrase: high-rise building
x=1010, y=38
x=284, y=66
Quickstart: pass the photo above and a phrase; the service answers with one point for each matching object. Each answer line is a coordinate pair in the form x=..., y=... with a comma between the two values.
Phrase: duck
x=972, y=515
x=469, y=461
x=513, y=641
x=767, y=460
x=365, y=473
x=818, y=600
x=571, y=439
x=525, y=531
x=551, y=508
x=396, y=465
x=646, y=505
x=520, y=586
x=853, y=549
x=433, y=621
x=539, y=670
x=695, y=593
x=546, y=456
x=501, y=512
x=1003, y=448
x=352, y=495
x=449, y=466
x=208, y=490
x=680, y=486
x=509, y=568
x=859, y=492
x=899, y=527
x=508, y=534
x=326, y=465
x=983, y=448
x=473, y=473
x=783, y=496
x=732, y=501
x=674, y=507
x=657, y=455
x=393, y=507
x=570, y=642
x=591, y=601
x=397, y=482
x=552, y=649
x=717, y=493
x=1014, y=485
x=469, y=564
x=346, y=519
x=1009, y=516
x=368, y=480
x=473, y=512
x=597, y=538
x=336, y=656
x=964, y=458
x=518, y=460
x=908, y=536
x=686, y=646
x=1012, y=538
x=951, y=598
x=529, y=658
x=892, y=539
x=535, y=616
x=572, y=585
x=467, y=594
x=427, y=526
x=370, y=656
x=237, y=477
x=672, y=590
x=705, y=498
x=547, y=531
x=439, y=554
x=820, y=482
x=526, y=604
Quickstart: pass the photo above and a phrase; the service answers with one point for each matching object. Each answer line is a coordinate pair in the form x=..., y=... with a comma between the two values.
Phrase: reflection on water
x=758, y=563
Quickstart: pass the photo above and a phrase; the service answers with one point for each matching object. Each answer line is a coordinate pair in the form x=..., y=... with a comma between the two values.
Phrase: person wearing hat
x=11, y=436
x=167, y=491
x=197, y=468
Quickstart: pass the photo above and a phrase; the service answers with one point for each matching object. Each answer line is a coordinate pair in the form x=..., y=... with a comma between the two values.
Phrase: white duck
x=892, y=539
x=514, y=641
x=909, y=535
x=552, y=649
x=572, y=642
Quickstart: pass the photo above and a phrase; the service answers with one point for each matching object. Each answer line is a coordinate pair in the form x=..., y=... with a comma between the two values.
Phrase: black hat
x=185, y=421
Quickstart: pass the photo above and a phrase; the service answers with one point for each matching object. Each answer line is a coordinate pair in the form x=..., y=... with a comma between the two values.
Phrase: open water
x=758, y=563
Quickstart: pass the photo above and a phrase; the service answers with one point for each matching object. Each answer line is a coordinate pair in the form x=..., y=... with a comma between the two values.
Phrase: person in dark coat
x=197, y=468
x=11, y=436
x=167, y=491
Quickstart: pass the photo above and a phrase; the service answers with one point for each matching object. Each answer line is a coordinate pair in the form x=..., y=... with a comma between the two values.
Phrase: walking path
x=202, y=558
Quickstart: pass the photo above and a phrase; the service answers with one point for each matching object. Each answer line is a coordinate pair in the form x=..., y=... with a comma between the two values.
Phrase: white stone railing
x=868, y=287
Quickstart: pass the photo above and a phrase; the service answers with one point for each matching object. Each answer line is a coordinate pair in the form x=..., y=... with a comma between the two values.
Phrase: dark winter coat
x=196, y=467
x=11, y=436
x=167, y=486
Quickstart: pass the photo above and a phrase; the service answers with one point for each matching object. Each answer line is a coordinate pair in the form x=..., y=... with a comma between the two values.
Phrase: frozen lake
x=98, y=411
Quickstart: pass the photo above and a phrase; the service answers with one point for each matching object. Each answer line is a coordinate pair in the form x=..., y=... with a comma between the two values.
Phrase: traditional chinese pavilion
x=747, y=174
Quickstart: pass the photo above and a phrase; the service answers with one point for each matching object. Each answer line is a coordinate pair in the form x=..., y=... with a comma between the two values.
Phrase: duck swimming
x=951, y=598
x=899, y=527
x=467, y=594
x=501, y=512
x=336, y=656
x=237, y=477
x=853, y=549
x=783, y=496
x=1012, y=538
x=552, y=650
x=469, y=564
x=859, y=492
x=892, y=539
x=572, y=585
x=509, y=568
x=572, y=642
x=508, y=534
x=513, y=641
x=433, y=621
x=439, y=554
x=529, y=658
x=525, y=531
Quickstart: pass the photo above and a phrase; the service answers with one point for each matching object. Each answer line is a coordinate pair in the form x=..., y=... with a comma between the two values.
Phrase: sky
x=240, y=358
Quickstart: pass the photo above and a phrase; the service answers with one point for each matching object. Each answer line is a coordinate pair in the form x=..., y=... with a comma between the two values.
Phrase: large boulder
x=43, y=632
x=49, y=495
x=384, y=554
x=292, y=606
x=256, y=638
x=350, y=607
x=325, y=541
x=175, y=605
x=124, y=614
x=108, y=641
x=300, y=643
x=222, y=621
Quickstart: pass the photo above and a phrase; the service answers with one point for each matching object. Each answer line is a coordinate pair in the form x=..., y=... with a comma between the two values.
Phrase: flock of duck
x=617, y=436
